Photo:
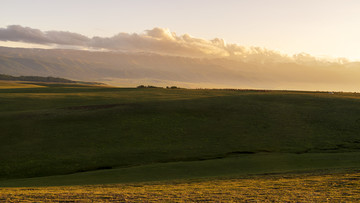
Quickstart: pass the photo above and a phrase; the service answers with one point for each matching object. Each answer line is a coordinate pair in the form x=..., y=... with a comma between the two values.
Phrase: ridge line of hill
x=43, y=79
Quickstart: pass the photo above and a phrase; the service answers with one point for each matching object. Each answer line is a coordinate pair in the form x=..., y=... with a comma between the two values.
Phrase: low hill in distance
x=43, y=79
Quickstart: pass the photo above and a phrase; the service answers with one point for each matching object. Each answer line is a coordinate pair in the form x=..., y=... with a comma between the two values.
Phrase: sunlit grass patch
x=264, y=188
x=13, y=85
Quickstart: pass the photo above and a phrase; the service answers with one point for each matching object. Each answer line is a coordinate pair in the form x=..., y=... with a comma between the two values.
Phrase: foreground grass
x=280, y=188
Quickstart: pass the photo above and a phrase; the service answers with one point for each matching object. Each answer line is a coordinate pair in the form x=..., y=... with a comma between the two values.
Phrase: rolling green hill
x=137, y=134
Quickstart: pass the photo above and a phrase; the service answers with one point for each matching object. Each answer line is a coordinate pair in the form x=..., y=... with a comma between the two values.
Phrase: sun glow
x=24, y=45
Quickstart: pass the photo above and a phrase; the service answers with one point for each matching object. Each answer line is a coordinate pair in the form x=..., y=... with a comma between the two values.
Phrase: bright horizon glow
x=23, y=45
x=320, y=28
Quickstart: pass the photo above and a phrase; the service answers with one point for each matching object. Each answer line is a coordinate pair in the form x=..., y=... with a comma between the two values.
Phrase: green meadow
x=70, y=134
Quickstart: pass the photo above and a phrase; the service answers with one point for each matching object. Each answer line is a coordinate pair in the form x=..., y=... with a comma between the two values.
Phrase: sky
x=323, y=28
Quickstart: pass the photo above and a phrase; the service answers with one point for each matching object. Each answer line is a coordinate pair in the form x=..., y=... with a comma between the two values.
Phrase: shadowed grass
x=242, y=165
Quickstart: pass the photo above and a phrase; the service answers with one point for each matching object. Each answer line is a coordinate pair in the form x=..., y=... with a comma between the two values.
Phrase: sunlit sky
x=318, y=27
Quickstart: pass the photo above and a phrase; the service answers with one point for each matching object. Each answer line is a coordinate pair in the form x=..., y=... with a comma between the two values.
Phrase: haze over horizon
x=276, y=44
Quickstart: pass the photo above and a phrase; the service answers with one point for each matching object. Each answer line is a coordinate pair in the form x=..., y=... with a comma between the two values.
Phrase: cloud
x=156, y=40
x=67, y=38
x=18, y=33
x=160, y=40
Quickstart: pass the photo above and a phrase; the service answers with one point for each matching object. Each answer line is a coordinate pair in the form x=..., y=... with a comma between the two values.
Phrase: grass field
x=60, y=134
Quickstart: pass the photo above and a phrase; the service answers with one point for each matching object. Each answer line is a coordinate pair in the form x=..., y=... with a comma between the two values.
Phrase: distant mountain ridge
x=133, y=69
x=108, y=66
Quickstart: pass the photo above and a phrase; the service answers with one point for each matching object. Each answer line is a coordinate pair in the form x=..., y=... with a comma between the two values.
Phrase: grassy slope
x=234, y=167
x=65, y=129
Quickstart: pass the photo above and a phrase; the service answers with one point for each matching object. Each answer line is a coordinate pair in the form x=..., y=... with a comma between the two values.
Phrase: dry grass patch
x=283, y=188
